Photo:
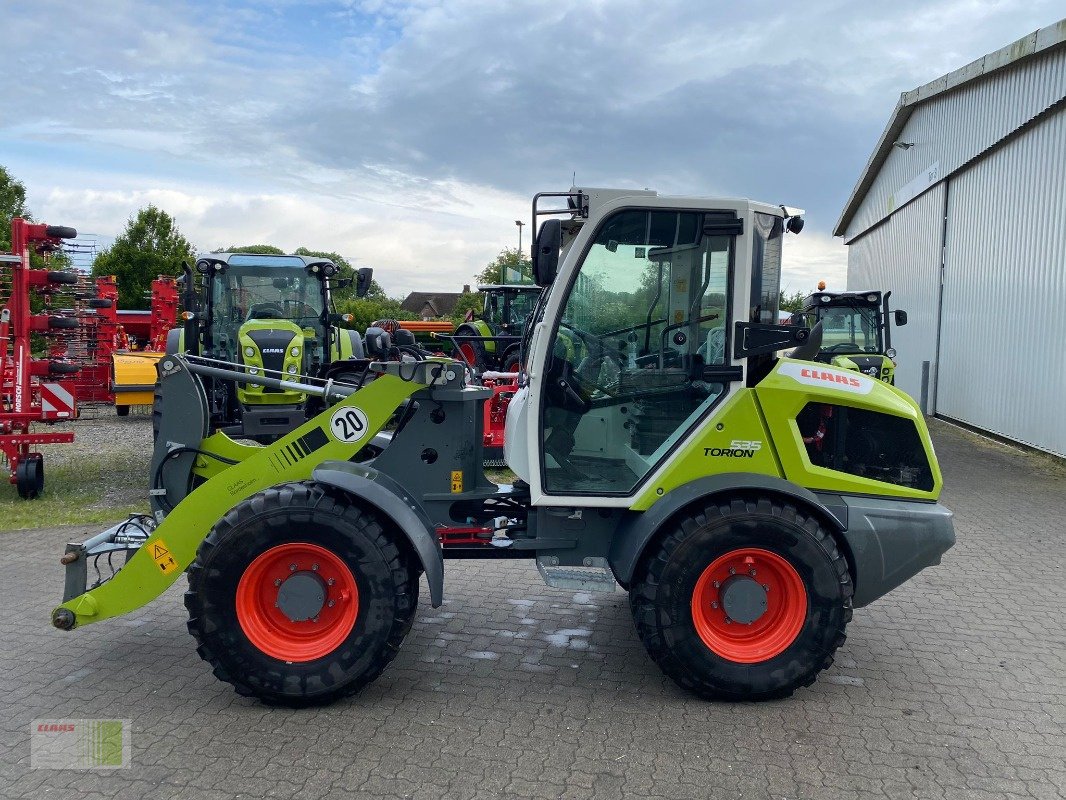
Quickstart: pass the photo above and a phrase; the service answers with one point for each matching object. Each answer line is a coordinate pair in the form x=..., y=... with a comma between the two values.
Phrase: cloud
x=415, y=132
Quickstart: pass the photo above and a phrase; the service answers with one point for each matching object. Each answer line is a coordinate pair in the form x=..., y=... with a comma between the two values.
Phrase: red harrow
x=32, y=389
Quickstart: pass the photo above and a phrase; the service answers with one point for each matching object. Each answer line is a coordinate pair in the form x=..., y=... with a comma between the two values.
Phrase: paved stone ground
x=953, y=686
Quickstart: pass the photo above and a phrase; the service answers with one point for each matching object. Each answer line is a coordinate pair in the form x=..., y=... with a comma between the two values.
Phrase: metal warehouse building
x=961, y=212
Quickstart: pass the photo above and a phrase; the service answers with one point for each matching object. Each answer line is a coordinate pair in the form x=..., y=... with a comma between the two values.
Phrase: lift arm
x=336, y=434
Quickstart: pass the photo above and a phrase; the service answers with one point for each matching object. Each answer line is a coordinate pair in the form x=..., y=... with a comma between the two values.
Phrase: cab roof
x=265, y=260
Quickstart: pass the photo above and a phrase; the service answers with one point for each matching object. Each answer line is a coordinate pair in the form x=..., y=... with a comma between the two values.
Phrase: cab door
x=640, y=350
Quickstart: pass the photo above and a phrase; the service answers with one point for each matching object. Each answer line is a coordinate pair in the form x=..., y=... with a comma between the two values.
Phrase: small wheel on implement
x=29, y=476
x=300, y=597
x=745, y=600
x=122, y=411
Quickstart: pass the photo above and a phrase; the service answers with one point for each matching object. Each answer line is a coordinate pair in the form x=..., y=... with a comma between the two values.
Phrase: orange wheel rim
x=766, y=594
x=297, y=601
x=467, y=351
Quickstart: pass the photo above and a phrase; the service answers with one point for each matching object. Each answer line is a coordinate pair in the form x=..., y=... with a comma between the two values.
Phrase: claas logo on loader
x=830, y=377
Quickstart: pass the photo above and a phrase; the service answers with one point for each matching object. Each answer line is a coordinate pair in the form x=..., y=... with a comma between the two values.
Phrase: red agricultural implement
x=32, y=389
x=118, y=349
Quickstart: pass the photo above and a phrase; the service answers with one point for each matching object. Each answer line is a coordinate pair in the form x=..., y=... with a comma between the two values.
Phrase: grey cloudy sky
x=410, y=135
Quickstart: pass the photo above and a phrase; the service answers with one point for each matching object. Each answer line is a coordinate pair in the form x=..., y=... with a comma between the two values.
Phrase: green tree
x=792, y=302
x=12, y=204
x=497, y=271
x=150, y=246
x=468, y=301
x=256, y=249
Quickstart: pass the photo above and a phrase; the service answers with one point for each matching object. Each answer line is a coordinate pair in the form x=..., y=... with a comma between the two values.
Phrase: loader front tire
x=747, y=599
x=299, y=597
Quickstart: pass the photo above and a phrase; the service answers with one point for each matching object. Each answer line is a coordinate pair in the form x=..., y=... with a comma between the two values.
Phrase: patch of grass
x=106, y=488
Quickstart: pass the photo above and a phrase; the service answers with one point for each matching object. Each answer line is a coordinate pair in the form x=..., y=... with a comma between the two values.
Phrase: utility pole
x=520, y=225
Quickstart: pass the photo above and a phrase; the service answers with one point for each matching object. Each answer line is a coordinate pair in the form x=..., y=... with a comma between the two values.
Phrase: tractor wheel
x=62, y=323
x=473, y=353
x=300, y=597
x=122, y=411
x=512, y=362
x=746, y=600
x=29, y=476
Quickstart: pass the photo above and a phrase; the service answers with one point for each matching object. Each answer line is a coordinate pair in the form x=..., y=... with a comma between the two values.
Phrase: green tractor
x=491, y=342
x=856, y=332
x=747, y=502
x=264, y=314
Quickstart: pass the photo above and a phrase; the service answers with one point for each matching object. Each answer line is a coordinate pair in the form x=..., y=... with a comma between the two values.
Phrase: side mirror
x=901, y=318
x=363, y=279
x=546, y=252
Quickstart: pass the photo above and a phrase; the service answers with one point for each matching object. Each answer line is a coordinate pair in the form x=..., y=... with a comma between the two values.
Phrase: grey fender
x=389, y=497
x=638, y=527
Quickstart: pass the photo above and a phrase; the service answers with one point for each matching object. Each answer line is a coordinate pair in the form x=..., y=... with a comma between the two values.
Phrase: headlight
x=295, y=352
x=249, y=351
x=891, y=352
x=292, y=369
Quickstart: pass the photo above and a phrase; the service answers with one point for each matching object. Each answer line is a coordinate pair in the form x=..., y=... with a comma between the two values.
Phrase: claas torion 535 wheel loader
x=660, y=442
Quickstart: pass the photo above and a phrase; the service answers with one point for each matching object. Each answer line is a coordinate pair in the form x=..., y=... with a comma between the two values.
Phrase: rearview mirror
x=901, y=318
x=363, y=279
x=546, y=252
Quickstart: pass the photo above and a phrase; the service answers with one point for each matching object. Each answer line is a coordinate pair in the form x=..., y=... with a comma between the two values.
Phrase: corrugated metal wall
x=1003, y=334
x=903, y=256
x=955, y=127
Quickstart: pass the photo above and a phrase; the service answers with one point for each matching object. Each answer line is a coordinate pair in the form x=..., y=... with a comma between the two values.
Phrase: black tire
x=29, y=477
x=666, y=580
x=98, y=302
x=62, y=368
x=512, y=361
x=62, y=323
x=57, y=276
x=122, y=411
x=385, y=574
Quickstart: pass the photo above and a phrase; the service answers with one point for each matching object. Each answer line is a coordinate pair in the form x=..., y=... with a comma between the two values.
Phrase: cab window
x=634, y=356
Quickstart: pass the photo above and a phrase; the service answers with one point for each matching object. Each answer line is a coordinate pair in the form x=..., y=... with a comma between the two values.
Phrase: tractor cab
x=856, y=333
x=507, y=306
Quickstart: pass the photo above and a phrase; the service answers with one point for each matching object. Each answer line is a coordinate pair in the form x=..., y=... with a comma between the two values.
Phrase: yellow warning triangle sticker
x=158, y=552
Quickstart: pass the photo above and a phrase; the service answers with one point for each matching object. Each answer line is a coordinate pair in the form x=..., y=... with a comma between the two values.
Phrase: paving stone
x=952, y=686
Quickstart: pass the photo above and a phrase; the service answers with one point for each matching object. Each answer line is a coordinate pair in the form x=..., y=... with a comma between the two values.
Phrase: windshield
x=521, y=306
x=264, y=292
x=850, y=329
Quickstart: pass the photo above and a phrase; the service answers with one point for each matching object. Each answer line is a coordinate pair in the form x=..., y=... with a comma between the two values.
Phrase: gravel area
x=102, y=475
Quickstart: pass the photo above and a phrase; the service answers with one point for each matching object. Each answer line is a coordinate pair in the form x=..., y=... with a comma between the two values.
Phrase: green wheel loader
x=746, y=501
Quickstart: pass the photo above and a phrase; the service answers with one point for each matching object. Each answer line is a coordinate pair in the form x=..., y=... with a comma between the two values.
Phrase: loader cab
x=632, y=345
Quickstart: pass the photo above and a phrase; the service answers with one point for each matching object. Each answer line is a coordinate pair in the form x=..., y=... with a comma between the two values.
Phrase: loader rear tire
x=353, y=591
x=747, y=599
